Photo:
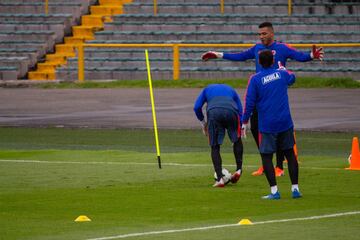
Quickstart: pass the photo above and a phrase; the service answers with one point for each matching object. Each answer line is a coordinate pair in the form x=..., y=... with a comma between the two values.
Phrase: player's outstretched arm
x=317, y=53
x=211, y=55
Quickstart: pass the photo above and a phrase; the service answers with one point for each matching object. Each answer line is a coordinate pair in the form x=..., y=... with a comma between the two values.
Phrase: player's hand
x=244, y=128
x=281, y=67
x=211, y=55
x=204, y=128
x=317, y=53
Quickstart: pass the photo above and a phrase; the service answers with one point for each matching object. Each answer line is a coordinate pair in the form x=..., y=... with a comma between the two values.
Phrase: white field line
x=225, y=226
x=142, y=163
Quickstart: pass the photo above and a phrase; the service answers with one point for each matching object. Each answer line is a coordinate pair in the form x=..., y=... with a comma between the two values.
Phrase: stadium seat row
x=250, y=7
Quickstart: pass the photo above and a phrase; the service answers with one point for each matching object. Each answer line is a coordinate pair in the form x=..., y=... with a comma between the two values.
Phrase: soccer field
x=48, y=177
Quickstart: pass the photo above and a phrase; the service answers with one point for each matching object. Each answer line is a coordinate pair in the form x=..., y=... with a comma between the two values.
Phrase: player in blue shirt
x=281, y=52
x=223, y=111
x=267, y=91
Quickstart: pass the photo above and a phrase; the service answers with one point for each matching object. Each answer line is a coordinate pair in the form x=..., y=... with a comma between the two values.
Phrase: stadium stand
x=29, y=36
x=201, y=22
x=98, y=14
x=27, y=33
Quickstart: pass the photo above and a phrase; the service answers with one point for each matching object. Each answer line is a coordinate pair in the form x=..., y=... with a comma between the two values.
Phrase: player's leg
x=255, y=126
x=287, y=141
x=233, y=126
x=238, y=150
x=255, y=132
x=217, y=161
x=269, y=168
x=292, y=165
x=216, y=135
x=293, y=172
x=267, y=146
x=280, y=157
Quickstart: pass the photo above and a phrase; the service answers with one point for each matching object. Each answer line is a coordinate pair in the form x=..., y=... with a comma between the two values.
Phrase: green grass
x=305, y=82
x=112, y=177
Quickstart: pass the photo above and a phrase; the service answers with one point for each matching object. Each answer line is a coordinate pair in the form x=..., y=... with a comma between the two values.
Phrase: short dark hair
x=266, y=58
x=266, y=24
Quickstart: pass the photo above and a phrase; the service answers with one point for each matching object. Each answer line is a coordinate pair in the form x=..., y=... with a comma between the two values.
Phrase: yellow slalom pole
x=153, y=107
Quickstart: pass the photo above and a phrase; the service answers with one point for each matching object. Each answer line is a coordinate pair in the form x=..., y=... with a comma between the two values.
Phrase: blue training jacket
x=281, y=52
x=217, y=96
x=267, y=91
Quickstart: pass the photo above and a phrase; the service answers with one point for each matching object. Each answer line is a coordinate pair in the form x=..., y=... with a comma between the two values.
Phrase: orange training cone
x=355, y=155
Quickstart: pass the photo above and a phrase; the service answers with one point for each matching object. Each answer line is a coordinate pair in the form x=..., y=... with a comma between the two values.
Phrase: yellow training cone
x=245, y=221
x=82, y=218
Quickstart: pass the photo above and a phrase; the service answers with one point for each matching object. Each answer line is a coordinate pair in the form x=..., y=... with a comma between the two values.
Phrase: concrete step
x=106, y=10
x=93, y=20
x=8, y=73
x=21, y=64
x=114, y=2
x=57, y=58
x=41, y=46
x=41, y=75
x=86, y=32
x=32, y=56
x=48, y=37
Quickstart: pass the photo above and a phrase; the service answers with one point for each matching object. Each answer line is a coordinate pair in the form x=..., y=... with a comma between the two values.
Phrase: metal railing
x=176, y=51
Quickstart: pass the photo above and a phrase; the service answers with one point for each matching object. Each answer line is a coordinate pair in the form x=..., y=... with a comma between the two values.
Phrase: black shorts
x=270, y=142
x=220, y=119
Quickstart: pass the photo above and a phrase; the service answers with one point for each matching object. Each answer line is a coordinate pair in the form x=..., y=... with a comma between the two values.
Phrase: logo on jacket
x=269, y=78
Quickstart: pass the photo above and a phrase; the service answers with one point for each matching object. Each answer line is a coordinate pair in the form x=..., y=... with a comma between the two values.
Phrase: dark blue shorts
x=270, y=142
x=220, y=119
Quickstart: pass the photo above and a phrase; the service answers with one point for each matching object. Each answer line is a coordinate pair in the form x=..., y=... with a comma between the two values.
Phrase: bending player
x=223, y=111
x=281, y=52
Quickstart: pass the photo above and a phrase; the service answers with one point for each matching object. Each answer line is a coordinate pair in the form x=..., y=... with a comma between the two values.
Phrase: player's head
x=266, y=58
x=266, y=33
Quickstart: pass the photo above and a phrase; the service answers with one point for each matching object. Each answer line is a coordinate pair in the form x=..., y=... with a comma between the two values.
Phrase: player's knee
x=215, y=147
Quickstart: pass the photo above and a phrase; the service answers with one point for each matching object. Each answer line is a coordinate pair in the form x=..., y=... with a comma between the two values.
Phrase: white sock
x=273, y=189
x=295, y=186
x=239, y=171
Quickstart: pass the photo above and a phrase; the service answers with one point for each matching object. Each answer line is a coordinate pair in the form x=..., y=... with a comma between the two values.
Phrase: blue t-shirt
x=217, y=96
x=281, y=52
x=267, y=91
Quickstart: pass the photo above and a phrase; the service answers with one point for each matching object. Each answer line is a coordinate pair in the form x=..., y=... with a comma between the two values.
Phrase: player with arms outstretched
x=281, y=53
